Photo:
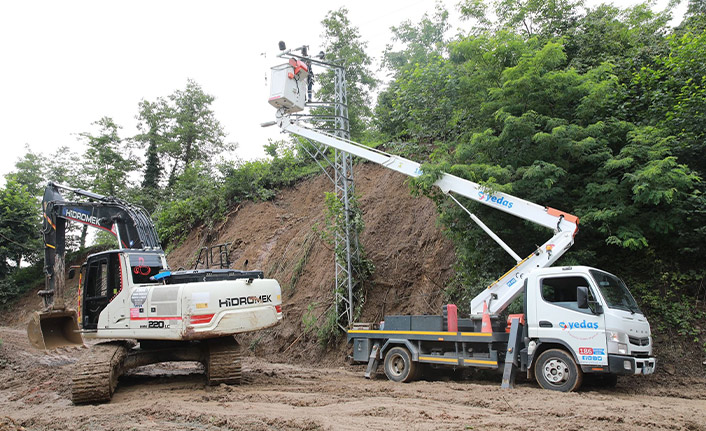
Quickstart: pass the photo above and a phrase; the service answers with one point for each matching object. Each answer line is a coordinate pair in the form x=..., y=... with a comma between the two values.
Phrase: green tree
x=107, y=159
x=194, y=133
x=343, y=45
x=672, y=94
x=107, y=163
x=30, y=172
x=546, y=19
x=695, y=17
x=627, y=38
x=19, y=226
x=421, y=42
x=152, y=124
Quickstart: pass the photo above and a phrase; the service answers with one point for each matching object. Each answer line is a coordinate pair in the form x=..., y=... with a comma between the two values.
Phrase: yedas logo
x=498, y=201
x=577, y=325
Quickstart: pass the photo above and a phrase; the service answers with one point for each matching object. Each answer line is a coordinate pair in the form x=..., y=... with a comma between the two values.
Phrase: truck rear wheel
x=399, y=366
x=557, y=371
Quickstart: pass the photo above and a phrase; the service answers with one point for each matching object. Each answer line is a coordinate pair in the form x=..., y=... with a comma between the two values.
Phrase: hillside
x=413, y=261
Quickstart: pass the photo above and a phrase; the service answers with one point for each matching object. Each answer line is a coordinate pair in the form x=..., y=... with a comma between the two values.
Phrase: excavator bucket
x=52, y=329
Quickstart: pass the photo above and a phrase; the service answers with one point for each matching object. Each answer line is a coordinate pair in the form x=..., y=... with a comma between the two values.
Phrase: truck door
x=560, y=319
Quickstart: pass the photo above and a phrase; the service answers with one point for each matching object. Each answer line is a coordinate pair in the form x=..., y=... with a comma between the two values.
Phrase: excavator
x=129, y=296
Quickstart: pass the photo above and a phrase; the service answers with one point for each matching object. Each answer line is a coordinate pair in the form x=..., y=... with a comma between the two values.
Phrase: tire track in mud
x=35, y=391
x=277, y=397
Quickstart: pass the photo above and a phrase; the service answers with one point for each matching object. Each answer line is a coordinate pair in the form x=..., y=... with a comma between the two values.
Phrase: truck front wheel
x=557, y=371
x=399, y=366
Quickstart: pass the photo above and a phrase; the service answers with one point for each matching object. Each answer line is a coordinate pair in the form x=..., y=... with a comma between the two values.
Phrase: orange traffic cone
x=486, y=327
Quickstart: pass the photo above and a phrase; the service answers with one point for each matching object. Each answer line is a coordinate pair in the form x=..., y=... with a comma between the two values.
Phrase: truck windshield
x=144, y=266
x=614, y=291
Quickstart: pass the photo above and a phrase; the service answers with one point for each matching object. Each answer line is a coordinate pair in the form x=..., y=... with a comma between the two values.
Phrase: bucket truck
x=576, y=320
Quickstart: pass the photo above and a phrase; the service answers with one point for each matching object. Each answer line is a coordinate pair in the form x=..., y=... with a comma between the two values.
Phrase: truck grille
x=639, y=341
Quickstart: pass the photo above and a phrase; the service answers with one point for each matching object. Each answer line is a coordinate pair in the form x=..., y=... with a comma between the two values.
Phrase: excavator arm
x=129, y=223
x=56, y=325
x=509, y=286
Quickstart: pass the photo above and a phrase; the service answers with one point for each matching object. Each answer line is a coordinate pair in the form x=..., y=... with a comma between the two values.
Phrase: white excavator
x=130, y=296
x=576, y=320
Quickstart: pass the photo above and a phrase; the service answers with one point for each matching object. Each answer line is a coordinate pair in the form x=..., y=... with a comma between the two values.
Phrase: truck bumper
x=619, y=364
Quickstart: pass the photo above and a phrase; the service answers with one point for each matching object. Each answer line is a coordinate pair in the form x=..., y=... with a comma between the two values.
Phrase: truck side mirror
x=72, y=273
x=582, y=296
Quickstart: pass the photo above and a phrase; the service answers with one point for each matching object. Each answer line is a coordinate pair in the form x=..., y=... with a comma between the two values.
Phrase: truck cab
x=589, y=314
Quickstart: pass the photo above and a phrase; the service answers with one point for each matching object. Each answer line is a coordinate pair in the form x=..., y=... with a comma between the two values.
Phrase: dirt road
x=35, y=388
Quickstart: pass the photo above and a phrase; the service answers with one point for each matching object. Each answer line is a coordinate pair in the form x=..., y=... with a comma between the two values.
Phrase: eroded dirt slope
x=413, y=261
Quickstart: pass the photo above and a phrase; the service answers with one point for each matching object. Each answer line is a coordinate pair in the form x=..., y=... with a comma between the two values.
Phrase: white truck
x=576, y=320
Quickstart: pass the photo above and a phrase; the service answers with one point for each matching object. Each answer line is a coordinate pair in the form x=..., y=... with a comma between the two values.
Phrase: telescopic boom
x=509, y=286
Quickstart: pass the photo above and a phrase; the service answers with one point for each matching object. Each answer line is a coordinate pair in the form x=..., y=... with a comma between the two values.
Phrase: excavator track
x=96, y=377
x=223, y=363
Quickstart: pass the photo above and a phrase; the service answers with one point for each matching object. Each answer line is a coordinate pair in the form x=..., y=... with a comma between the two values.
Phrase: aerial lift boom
x=509, y=286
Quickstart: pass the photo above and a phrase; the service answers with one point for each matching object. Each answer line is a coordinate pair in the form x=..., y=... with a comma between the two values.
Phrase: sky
x=65, y=64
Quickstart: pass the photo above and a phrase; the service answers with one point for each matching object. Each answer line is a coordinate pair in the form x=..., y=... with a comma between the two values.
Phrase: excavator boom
x=57, y=325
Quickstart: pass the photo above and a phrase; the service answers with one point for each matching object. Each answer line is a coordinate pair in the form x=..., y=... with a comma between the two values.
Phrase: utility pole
x=334, y=121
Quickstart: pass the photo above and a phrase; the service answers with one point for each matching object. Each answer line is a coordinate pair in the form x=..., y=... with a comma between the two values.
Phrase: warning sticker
x=139, y=296
x=201, y=299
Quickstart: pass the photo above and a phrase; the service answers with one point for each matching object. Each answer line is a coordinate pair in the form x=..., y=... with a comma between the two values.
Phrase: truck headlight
x=614, y=336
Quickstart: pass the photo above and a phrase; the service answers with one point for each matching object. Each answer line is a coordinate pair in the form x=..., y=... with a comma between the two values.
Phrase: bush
x=19, y=282
x=202, y=197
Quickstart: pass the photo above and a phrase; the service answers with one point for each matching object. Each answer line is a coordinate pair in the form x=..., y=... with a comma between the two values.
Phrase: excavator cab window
x=143, y=266
x=102, y=283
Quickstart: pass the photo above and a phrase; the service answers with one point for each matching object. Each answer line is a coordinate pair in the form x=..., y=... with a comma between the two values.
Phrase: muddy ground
x=35, y=395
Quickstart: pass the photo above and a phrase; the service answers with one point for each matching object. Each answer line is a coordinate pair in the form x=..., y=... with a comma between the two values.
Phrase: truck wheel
x=557, y=371
x=399, y=366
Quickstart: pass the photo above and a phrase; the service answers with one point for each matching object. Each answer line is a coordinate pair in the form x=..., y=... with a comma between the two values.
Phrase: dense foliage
x=597, y=111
